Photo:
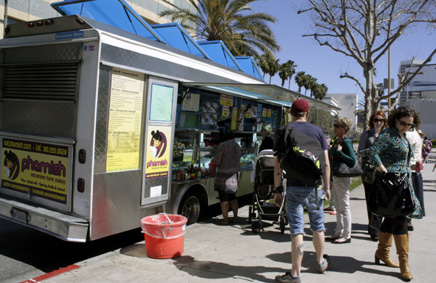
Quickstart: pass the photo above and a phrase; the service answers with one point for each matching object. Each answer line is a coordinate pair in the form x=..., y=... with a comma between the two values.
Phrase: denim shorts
x=298, y=197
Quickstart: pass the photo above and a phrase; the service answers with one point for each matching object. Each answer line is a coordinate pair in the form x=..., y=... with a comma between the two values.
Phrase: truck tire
x=190, y=207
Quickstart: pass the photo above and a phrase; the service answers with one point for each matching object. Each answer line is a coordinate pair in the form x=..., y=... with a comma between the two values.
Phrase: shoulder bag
x=391, y=195
x=342, y=170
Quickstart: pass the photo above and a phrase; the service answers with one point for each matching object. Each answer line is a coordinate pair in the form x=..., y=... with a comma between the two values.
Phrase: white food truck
x=98, y=124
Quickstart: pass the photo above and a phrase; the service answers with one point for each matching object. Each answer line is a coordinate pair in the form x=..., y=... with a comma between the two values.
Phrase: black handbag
x=368, y=169
x=390, y=195
x=342, y=170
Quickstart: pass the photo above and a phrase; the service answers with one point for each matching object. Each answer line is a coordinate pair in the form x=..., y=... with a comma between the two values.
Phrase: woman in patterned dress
x=391, y=152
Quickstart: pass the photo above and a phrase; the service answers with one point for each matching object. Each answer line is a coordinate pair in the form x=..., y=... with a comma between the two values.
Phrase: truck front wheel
x=190, y=207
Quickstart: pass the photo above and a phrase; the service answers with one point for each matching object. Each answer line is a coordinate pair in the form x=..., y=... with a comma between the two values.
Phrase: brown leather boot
x=402, y=244
x=384, y=246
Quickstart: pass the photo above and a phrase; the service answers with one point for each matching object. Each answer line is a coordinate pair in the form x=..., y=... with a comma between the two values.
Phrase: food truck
x=104, y=123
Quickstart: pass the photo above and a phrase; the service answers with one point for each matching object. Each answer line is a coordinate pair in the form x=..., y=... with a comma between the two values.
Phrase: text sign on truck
x=35, y=168
x=125, y=113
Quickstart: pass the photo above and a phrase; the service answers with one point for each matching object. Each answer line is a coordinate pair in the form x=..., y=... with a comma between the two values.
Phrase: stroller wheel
x=256, y=226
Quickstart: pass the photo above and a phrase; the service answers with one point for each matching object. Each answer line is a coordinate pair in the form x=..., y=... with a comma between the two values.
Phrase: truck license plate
x=19, y=214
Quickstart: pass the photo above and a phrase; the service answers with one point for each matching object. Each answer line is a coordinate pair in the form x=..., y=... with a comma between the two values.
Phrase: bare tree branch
x=365, y=30
x=346, y=75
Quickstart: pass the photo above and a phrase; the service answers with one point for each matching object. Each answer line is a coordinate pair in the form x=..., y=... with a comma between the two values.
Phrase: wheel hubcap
x=191, y=209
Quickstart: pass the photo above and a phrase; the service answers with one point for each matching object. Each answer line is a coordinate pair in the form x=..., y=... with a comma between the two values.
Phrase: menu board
x=124, y=126
x=191, y=102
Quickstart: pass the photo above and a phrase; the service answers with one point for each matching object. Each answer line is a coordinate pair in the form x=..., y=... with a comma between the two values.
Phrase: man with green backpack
x=302, y=152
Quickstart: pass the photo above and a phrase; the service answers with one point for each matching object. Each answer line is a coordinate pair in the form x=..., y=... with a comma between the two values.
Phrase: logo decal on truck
x=36, y=169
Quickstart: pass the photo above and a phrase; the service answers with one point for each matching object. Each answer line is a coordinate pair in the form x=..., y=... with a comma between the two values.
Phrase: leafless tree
x=365, y=30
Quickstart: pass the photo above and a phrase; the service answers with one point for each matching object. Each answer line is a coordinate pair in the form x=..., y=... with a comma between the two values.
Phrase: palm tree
x=230, y=21
x=286, y=71
x=319, y=91
x=299, y=80
x=309, y=83
x=262, y=62
x=273, y=66
x=322, y=91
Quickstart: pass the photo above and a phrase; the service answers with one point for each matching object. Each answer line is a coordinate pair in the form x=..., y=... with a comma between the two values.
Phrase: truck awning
x=116, y=13
x=261, y=92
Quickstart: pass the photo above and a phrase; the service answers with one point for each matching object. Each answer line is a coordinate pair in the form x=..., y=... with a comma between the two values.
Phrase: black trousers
x=374, y=221
x=419, y=189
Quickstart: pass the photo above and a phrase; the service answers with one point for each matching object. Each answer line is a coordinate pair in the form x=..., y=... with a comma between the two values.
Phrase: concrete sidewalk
x=235, y=253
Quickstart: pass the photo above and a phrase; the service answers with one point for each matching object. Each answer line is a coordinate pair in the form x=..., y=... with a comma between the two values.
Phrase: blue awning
x=220, y=54
x=176, y=36
x=249, y=66
x=116, y=13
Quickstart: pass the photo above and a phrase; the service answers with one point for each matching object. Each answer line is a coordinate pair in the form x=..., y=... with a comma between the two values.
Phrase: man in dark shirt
x=300, y=195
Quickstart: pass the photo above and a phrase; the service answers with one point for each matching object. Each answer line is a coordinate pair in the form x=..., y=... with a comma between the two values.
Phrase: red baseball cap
x=299, y=106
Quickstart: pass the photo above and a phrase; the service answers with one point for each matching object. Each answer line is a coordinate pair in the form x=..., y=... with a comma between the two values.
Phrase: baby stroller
x=263, y=207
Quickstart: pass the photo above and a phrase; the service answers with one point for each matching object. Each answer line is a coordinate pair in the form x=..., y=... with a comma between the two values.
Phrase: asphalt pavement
x=234, y=253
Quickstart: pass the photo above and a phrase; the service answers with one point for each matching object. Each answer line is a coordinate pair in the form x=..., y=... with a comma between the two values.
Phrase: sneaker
x=287, y=278
x=322, y=267
x=333, y=213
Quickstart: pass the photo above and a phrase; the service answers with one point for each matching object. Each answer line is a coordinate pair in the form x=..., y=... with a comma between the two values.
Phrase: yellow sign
x=234, y=118
x=226, y=100
x=159, y=143
x=187, y=155
x=35, y=168
x=269, y=113
x=226, y=111
x=264, y=112
x=125, y=113
x=248, y=113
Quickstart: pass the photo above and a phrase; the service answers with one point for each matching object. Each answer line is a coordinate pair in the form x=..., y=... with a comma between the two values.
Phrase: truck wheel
x=190, y=207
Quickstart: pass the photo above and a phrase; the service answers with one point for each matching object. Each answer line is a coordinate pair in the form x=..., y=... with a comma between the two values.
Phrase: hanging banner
x=37, y=169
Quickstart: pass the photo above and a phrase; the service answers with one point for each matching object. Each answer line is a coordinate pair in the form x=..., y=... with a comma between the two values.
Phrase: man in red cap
x=300, y=194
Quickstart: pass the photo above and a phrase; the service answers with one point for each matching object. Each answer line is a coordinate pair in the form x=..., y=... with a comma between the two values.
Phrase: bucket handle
x=169, y=220
x=169, y=228
x=163, y=231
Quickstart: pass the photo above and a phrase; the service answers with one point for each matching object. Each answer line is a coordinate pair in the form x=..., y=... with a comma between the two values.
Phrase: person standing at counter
x=227, y=161
x=267, y=142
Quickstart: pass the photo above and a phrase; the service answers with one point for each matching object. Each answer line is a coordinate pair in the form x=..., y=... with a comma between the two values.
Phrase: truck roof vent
x=54, y=81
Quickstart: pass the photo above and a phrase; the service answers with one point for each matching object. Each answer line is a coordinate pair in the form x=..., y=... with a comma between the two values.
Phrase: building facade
x=31, y=10
x=348, y=104
x=421, y=94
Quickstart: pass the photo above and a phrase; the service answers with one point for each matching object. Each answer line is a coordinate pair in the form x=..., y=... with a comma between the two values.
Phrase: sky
x=325, y=64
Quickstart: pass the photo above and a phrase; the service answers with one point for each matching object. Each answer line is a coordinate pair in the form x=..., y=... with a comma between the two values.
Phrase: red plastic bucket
x=164, y=235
